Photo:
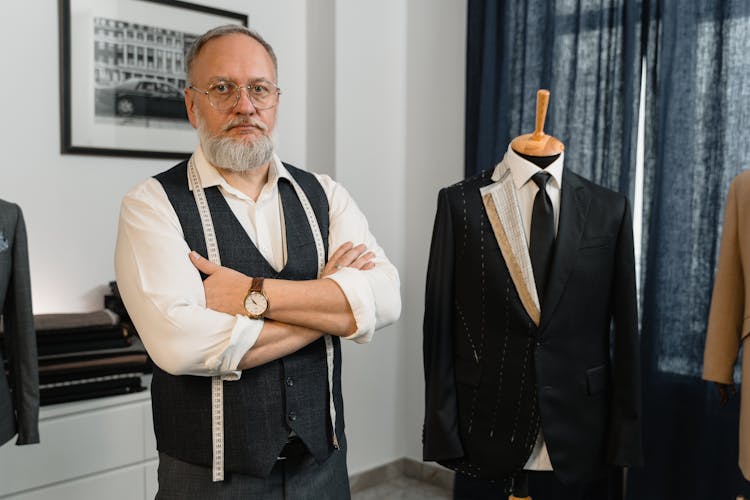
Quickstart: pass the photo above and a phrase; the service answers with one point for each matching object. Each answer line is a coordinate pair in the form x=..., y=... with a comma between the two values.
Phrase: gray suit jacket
x=19, y=393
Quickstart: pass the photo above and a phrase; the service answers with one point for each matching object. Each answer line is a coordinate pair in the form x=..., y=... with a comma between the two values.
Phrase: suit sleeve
x=625, y=440
x=441, y=436
x=19, y=328
x=727, y=303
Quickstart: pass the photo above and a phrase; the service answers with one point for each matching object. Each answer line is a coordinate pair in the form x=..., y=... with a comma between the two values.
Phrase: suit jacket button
x=289, y=381
x=292, y=416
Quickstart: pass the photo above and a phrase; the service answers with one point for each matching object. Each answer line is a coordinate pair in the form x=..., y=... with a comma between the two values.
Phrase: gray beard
x=237, y=156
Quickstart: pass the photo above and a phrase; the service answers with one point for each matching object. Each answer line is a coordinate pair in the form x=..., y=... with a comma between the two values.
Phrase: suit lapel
x=574, y=204
x=501, y=205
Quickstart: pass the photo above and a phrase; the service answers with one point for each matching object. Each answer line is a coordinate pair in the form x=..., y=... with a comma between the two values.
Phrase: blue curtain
x=697, y=123
x=587, y=53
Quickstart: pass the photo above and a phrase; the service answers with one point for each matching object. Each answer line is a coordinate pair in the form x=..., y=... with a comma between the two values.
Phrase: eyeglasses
x=225, y=95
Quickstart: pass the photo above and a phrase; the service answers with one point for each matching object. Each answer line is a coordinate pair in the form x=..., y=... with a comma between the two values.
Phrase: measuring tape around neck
x=217, y=384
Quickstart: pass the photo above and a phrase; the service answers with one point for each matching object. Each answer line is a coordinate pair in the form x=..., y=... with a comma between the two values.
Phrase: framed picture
x=123, y=75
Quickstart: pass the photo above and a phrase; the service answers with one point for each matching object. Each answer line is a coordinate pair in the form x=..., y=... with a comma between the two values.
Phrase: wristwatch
x=256, y=302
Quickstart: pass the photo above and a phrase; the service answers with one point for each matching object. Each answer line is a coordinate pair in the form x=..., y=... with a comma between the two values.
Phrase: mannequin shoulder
x=741, y=183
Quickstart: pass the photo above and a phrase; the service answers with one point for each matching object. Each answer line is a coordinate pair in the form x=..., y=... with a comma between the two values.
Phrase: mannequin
x=729, y=316
x=508, y=386
x=19, y=394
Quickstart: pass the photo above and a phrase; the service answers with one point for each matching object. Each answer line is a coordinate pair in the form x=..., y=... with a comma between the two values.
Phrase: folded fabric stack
x=87, y=355
x=80, y=332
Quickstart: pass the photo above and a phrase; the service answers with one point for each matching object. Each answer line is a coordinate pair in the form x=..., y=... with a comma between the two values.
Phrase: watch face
x=256, y=304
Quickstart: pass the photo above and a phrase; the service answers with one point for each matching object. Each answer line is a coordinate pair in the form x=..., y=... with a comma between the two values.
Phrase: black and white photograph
x=139, y=71
x=123, y=74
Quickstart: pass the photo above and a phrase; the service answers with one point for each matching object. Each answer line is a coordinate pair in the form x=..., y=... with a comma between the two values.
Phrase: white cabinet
x=95, y=449
x=122, y=484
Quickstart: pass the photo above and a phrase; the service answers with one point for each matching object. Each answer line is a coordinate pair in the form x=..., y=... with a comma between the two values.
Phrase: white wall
x=436, y=54
x=373, y=93
x=399, y=138
x=370, y=162
x=321, y=87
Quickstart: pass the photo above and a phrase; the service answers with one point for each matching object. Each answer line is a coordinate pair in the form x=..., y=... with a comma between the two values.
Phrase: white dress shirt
x=164, y=294
x=522, y=171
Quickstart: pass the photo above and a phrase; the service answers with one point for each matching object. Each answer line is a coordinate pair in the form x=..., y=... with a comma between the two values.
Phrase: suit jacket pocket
x=596, y=379
x=467, y=371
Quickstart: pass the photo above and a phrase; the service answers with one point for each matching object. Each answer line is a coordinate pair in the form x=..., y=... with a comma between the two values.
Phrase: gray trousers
x=291, y=479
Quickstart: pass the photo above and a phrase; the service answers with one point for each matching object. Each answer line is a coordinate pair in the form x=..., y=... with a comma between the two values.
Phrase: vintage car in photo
x=143, y=97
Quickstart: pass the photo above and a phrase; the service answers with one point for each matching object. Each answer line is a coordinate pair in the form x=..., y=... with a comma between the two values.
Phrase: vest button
x=292, y=416
x=289, y=381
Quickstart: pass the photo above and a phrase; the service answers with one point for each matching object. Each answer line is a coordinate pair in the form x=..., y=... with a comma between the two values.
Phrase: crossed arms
x=200, y=328
x=300, y=312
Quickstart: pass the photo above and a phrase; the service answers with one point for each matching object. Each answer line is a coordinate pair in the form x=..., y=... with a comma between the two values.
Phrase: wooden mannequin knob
x=538, y=143
x=542, y=101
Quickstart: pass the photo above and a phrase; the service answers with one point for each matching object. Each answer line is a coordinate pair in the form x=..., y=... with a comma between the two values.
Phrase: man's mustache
x=245, y=122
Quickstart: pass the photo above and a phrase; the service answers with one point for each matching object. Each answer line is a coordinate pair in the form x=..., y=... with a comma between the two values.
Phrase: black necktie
x=542, y=233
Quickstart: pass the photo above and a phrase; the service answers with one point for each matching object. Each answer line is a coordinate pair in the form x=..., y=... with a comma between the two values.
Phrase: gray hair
x=219, y=31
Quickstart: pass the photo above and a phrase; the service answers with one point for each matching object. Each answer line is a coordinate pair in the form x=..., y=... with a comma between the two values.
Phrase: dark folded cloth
x=91, y=361
x=135, y=346
x=87, y=355
x=82, y=334
x=63, y=346
x=71, y=368
x=61, y=334
x=75, y=321
x=88, y=390
x=75, y=332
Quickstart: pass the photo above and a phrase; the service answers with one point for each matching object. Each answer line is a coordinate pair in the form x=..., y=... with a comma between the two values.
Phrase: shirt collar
x=210, y=176
x=522, y=170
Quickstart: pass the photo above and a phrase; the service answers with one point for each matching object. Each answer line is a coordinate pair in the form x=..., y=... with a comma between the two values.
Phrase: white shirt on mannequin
x=522, y=171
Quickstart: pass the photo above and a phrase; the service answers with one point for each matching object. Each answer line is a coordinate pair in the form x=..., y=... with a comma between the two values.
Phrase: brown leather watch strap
x=257, y=284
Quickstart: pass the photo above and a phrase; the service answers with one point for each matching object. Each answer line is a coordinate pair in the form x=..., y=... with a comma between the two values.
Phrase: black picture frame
x=122, y=75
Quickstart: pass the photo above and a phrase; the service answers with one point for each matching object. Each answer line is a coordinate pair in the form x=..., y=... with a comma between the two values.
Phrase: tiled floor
x=403, y=488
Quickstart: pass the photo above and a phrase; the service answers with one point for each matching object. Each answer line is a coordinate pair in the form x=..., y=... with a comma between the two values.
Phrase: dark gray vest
x=268, y=401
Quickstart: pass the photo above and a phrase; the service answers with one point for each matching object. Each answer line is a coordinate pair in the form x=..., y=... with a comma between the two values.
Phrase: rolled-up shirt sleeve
x=373, y=295
x=164, y=294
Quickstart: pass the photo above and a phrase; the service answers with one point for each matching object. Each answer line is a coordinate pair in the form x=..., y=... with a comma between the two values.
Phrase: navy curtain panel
x=696, y=141
x=587, y=53
x=697, y=138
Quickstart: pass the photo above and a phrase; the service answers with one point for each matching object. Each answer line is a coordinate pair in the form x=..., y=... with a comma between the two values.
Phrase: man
x=279, y=432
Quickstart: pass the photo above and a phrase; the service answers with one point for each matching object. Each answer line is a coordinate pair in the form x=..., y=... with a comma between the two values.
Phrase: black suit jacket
x=561, y=359
x=19, y=396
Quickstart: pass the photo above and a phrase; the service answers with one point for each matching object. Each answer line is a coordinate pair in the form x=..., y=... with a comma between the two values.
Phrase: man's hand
x=225, y=288
x=348, y=255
